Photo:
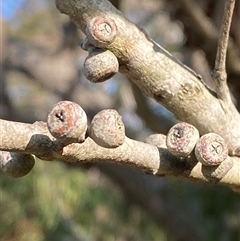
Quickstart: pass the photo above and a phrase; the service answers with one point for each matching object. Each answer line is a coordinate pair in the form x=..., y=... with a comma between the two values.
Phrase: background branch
x=219, y=74
x=203, y=35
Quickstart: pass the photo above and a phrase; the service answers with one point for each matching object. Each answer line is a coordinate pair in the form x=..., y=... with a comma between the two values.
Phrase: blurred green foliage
x=214, y=208
x=54, y=202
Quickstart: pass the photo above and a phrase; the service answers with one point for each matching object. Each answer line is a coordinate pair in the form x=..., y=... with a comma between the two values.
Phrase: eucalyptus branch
x=115, y=44
x=150, y=67
x=105, y=141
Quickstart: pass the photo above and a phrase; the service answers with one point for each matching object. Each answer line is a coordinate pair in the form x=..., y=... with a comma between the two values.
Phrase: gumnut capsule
x=100, y=65
x=16, y=164
x=211, y=149
x=181, y=139
x=107, y=129
x=67, y=122
x=101, y=31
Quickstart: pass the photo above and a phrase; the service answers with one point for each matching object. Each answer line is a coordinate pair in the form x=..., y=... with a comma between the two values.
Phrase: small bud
x=100, y=65
x=67, y=122
x=107, y=129
x=16, y=164
x=101, y=31
x=211, y=149
x=181, y=139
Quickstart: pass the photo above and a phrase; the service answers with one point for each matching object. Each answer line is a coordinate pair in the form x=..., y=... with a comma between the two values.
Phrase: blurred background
x=41, y=64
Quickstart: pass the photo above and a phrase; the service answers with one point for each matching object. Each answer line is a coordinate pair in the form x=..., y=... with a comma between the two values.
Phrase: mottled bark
x=36, y=139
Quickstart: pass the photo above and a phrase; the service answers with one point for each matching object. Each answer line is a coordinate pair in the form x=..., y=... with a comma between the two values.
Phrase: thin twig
x=219, y=74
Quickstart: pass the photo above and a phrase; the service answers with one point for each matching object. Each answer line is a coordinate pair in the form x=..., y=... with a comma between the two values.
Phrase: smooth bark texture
x=36, y=139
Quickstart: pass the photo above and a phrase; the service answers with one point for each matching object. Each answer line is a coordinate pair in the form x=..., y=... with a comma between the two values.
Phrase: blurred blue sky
x=10, y=7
